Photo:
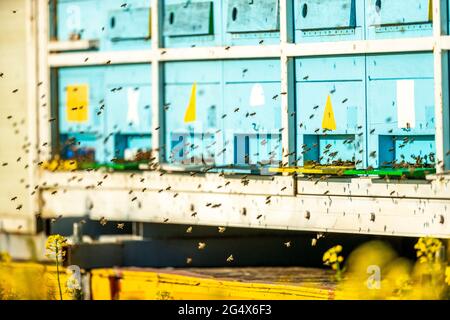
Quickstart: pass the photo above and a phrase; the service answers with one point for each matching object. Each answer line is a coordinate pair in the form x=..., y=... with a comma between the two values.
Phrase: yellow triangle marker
x=190, y=114
x=430, y=10
x=328, y=121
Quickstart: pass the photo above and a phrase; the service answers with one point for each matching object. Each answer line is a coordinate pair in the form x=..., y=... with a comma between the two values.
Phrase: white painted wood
x=365, y=215
x=441, y=87
x=157, y=90
x=360, y=47
x=77, y=45
x=276, y=185
x=31, y=8
x=99, y=58
x=244, y=52
x=287, y=86
x=17, y=127
x=43, y=77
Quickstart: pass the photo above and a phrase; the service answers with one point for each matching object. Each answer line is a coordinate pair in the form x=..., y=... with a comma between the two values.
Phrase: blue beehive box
x=330, y=109
x=116, y=24
x=400, y=109
x=129, y=26
x=191, y=23
x=252, y=125
x=80, y=19
x=251, y=22
x=129, y=116
x=330, y=92
x=193, y=108
x=321, y=20
x=81, y=93
x=236, y=119
x=397, y=19
x=215, y=23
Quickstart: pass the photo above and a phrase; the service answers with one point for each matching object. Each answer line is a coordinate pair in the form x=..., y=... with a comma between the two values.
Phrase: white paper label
x=406, y=111
x=257, y=98
x=133, y=100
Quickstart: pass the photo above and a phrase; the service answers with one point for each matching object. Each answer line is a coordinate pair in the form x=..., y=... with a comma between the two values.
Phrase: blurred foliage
x=427, y=248
x=5, y=257
x=374, y=271
x=447, y=275
x=26, y=281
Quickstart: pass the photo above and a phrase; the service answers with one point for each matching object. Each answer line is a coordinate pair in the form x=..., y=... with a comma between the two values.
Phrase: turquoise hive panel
x=398, y=19
x=85, y=135
x=336, y=136
x=328, y=20
x=193, y=142
x=400, y=106
x=251, y=22
x=129, y=116
x=191, y=23
x=252, y=125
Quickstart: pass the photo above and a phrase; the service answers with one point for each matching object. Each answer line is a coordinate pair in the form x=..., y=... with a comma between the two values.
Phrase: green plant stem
x=338, y=272
x=57, y=272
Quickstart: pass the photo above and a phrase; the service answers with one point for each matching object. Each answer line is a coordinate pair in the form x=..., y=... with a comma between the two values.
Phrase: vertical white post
x=441, y=88
x=287, y=85
x=32, y=96
x=157, y=86
x=42, y=102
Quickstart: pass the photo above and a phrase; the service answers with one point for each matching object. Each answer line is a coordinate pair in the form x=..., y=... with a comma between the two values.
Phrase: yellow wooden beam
x=313, y=169
x=153, y=285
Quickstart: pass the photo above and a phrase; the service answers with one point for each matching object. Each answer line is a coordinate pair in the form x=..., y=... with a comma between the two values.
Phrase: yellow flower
x=427, y=247
x=333, y=258
x=447, y=275
x=55, y=247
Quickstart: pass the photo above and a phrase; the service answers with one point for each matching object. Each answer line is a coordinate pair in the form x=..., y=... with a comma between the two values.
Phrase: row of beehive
x=364, y=111
x=187, y=23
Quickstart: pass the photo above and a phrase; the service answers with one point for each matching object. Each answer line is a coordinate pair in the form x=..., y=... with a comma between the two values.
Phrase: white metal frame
x=438, y=43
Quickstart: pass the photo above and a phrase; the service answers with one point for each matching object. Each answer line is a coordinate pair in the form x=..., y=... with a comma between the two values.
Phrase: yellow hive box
x=31, y=281
x=136, y=284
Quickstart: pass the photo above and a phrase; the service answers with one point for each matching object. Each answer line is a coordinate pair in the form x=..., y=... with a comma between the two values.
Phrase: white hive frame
x=408, y=208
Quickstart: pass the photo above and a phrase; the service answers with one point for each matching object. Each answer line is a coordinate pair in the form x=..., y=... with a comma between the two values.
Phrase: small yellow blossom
x=55, y=247
x=447, y=275
x=332, y=258
x=427, y=248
